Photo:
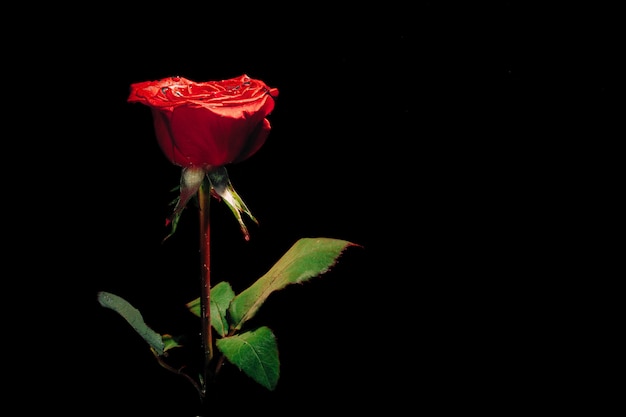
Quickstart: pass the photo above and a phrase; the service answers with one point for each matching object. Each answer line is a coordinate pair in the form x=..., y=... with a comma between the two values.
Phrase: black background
x=440, y=139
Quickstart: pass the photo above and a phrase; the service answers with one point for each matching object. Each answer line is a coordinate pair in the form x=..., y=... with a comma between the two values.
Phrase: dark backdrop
x=427, y=135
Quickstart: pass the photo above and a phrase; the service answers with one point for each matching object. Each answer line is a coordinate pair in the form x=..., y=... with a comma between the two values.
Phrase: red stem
x=204, y=196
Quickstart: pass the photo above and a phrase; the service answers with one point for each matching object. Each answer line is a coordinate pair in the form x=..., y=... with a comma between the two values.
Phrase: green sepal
x=191, y=179
x=173, y=220
x=222, y=189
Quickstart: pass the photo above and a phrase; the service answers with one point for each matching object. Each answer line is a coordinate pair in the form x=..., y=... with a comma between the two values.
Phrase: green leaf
x=307, y=258
x=221, y=296
x=255, y=353
x=134, y=318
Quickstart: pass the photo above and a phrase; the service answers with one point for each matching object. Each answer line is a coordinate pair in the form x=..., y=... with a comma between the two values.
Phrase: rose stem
x=205, y=260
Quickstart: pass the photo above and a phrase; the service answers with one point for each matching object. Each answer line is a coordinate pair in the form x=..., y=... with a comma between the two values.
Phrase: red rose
x=208, y=124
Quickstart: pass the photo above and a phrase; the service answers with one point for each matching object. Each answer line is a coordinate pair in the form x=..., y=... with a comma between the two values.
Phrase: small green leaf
x=221, y=296
x=255, y=353
x=194, y=307
x=134, y=318
x=307, y=258
x=170, y=342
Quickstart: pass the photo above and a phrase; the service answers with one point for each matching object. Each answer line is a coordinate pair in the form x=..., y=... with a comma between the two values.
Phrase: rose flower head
x=204, y=126
x=208, y=124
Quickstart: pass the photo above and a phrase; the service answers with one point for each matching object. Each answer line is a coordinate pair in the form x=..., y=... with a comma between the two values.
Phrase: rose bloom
x=208, y=124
